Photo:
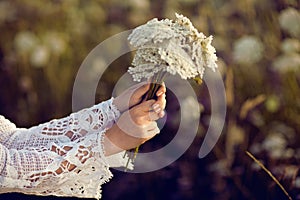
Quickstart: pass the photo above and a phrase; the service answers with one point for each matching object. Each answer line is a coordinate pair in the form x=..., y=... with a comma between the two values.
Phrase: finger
x=152, y=116
x=161, y=114
x=146, y=106
x=162, y=101
x=155, y=130
x=152, y=127
x=156, y=107
x=160, y=104
x=162, y=89
x=159, y=111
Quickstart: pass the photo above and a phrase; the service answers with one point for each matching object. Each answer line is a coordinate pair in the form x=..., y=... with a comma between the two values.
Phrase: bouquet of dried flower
x=167, y=46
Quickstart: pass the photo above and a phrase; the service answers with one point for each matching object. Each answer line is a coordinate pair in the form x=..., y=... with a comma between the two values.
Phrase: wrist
x=110, y=141
x=118, y=104
x=116, y=140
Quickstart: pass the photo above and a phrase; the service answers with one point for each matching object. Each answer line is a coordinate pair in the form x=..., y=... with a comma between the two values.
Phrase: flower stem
x=270, y=174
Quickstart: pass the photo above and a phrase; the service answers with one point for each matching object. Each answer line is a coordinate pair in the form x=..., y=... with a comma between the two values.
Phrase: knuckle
x=139, y=121
x=134, y=112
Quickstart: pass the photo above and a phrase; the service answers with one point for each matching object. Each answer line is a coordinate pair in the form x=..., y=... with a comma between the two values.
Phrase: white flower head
x=289, y=21
x=40, y=56
x=287, y=63
x=248, y=50
x=171, y=46
x=290, y=45
x=25, y=41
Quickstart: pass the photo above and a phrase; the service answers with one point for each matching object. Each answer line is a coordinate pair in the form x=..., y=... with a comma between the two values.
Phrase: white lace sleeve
x=62, y=157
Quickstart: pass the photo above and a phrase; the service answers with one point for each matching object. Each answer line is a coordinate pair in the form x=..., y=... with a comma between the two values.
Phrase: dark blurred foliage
x=43, y=43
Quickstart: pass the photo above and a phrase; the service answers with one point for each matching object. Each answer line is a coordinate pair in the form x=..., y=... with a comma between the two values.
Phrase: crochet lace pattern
x=63, y=157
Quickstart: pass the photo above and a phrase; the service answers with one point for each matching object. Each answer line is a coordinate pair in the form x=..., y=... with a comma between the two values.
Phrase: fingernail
x=162, y=114
x=157, y=110
x=155, y=106
x=159, y=93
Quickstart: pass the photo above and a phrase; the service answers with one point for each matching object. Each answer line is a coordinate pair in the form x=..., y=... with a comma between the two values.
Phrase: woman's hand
x=134, y=95
x=135, y=126
x=131, y=97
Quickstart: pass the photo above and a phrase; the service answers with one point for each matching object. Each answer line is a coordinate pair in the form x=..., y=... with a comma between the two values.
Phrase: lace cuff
x=25, y=170
x=63, y=157
x=6, y=129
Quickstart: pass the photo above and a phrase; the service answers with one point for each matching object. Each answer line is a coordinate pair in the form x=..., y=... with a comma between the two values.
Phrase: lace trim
x=84, y=180
x=114, y=109
x=6, y=128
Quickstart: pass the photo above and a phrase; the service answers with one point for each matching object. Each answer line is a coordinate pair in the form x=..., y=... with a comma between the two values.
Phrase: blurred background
x=43, y=43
